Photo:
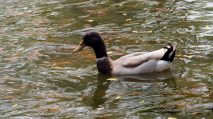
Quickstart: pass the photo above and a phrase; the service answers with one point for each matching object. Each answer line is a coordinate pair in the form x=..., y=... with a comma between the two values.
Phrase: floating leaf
x=91, y=20
x=147, y=31
x=134, y=31
x=185, y=56
x=188, y=56
x=128, y=19
x=172, y=118
x=196, y=113
x=57, y=67
x=100, y=108
x=142, y=101
x=109, y=52
x=178, y=55
x=15, y=105
x=124, y=14
x=118, y=97
x=112, y=79
x=53, y=109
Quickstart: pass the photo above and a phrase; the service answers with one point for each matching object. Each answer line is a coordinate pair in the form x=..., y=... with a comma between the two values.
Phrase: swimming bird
x=131, y=64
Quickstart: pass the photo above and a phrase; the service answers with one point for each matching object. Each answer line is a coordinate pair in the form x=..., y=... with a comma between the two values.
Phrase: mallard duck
x=131, y=64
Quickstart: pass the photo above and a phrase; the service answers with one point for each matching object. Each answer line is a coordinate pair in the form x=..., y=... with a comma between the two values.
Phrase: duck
x=130, y=64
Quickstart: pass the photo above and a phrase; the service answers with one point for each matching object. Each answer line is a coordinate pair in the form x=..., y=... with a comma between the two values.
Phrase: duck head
x=93, y=40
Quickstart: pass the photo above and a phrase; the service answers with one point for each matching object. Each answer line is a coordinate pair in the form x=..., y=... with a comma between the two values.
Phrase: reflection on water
x=98, y=97
x=40, y=77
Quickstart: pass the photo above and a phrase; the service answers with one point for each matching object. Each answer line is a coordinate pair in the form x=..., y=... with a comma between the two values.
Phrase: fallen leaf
x=124, y=14
x=112, y=79
x=134, y=31
x=118, y=97
x=15, y=105
x=148, y=32
x=196, y=113
x=57, y=67
x=172, y=118
x=91, y=20
x=128, y=19
x=188, y=56
x=178, y=55
x=100, y=108
x=109, y=53
x=53, y=109
x=141, y=102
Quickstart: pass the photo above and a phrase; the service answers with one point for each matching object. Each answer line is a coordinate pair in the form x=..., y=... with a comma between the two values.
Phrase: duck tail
x=170, y=53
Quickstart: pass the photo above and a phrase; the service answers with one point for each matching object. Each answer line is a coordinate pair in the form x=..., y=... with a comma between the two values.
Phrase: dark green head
x=93, y=40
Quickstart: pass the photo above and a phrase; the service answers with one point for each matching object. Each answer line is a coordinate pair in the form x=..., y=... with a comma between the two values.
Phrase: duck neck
x=100, y=51
x=103, y=61
x=104, y=65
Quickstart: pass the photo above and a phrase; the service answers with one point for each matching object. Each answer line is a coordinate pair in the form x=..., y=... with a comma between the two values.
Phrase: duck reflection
x=100, y=92
x=166, y=76
x=99, y=95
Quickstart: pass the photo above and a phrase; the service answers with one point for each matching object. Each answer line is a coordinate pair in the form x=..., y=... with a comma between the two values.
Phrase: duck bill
x=80, y=47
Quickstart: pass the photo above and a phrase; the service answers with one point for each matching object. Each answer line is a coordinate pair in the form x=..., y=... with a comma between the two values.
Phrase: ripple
x=40, y=77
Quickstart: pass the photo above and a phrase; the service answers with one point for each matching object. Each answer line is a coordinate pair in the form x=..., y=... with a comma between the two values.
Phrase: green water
x=40, y=77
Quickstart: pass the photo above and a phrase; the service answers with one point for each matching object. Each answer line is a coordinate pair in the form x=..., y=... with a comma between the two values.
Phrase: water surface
x=40, y=77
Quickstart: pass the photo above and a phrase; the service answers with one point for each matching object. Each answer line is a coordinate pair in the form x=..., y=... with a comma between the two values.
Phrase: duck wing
x=136, y=59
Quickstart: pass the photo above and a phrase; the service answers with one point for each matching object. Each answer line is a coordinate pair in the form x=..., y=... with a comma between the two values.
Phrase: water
x=40, y=77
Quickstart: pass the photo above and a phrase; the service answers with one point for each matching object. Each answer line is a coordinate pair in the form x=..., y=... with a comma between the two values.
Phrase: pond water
x=40, y=77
